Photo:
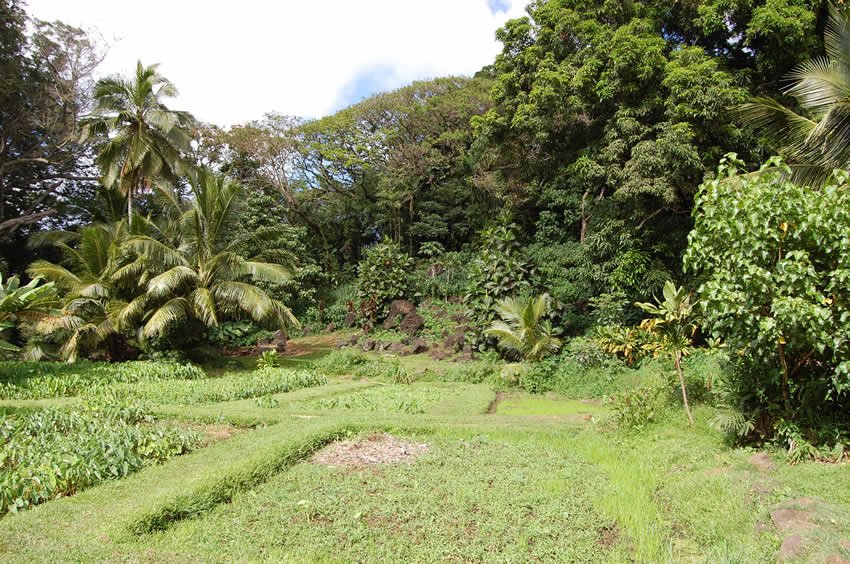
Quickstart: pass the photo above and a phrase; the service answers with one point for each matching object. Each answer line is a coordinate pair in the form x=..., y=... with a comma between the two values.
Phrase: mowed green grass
x=543, y=478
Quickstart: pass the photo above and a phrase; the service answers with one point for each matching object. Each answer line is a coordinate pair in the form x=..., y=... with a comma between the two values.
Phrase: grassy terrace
x=506, y=476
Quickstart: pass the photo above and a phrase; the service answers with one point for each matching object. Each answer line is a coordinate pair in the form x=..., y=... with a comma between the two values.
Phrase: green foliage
x=233, y=386
x=523, y=329
x=382, y=276
x=629, y=343
x=33, y=302
x=674, y=322
x=814, y=140
x=38, y=380
x=54, y=453
x=773, y=257
x=269, y=359
x=636, y=408
x=143, y=140
x=389, y=399
x=496, y=273
x=237, y=334
x=199, y=273
x=343, y=361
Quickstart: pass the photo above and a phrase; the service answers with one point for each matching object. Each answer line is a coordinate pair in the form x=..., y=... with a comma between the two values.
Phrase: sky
x=233, y=61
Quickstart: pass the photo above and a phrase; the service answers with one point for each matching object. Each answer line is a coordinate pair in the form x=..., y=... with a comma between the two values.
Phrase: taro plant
x=674, y=322
x=523, y=330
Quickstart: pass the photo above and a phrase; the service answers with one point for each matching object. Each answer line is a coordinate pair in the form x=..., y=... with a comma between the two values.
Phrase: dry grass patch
x=379, y=448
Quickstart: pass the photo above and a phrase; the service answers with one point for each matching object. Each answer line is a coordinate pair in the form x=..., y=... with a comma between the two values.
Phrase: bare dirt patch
x=380, y=448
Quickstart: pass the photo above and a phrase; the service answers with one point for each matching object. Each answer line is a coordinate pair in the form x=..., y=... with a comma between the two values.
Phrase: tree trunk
x=130, y=209
x=678, y=362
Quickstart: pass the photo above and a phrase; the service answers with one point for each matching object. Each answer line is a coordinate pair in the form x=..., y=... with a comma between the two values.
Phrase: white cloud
x=234, y=61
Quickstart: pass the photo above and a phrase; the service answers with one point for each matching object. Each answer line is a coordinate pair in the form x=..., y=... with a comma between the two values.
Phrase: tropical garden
x=589, y=304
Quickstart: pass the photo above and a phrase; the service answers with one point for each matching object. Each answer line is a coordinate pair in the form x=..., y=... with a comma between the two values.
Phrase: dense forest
x=604, y=158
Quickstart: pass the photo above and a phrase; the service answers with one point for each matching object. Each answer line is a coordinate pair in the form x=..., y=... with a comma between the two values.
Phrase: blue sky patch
x=497, y=6
x=366, y=82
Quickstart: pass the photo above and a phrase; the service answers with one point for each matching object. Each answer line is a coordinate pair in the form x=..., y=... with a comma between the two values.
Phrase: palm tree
x=523, y=330
x=818, y=142
x=675, y=324
x=89, y=291
x=199, y=271
x=143, y=137
x=33, y=302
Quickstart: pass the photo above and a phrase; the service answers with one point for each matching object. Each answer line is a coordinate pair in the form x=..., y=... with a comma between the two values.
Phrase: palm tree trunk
x=130, y=209
x=678, y=362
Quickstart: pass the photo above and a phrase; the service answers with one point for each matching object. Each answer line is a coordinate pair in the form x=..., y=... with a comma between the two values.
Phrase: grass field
x=506, y=477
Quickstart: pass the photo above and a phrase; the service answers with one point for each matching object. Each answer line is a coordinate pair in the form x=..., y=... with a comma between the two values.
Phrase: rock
x=412, y=323
x=459, y=318
x=397, y=348
x=352, y=340
x=439, y=354
x=419, y=346
x=791, y=520
x=341, y=343
x=277, y=343
x=399, y=309
x=792, y=547
x=455, y=342
x=350, y=319
x=368, y=345
x=306, y=331
x=330, y=327
x=762, y=461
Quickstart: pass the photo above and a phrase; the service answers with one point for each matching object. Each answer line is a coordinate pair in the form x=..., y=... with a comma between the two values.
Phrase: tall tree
x=201, y=273
x=45, y=75
x=143, y=138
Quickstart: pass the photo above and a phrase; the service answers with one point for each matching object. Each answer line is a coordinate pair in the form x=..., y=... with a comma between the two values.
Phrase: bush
x=774, y=258
x=636, y=408
x=382, y=276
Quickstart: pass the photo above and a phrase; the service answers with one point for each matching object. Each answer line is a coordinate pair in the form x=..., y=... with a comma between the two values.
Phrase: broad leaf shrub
x=382, y=276
x=54, y=452
x=774, y=261
x=496, y=273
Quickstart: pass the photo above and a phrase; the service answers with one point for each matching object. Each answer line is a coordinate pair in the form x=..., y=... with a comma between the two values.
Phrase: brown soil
x=494, y=405
x=380, y=448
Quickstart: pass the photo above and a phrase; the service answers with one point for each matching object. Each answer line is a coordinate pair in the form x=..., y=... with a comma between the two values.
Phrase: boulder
x=330, y=327
x=368, y=345
x=412, y=323
x=439, y=354
x=399, y=309
x=419, y=346
x=455, y=342
x=352, y=340
x=397, y=348
x=277, y=343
